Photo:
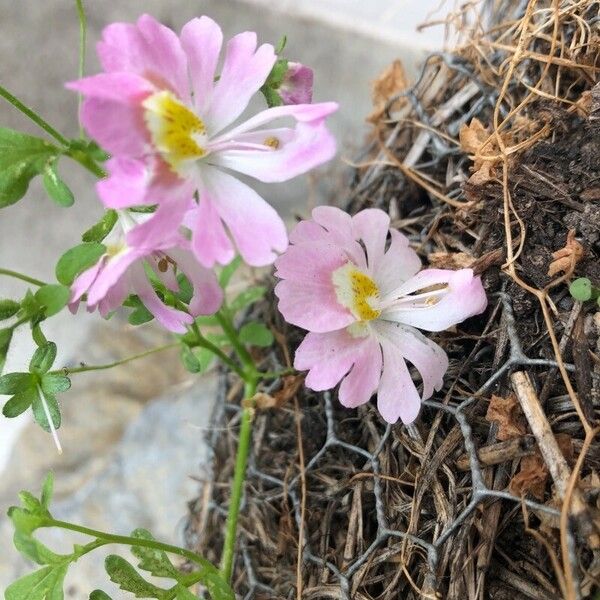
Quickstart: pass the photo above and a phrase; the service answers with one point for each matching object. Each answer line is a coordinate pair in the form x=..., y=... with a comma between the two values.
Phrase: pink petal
x=210, y=241
x=170, y=318
x=397, y=397
x=255, y=226
x=149, y=49
x=428, y=358
x=119, y=128
x=201, y=40
x=308, y=231
x=208, y=294
x=244, y=71
x=371, y=226
x=297, y=86
x=310, y=145
x=83, y=281
x=397, y=265
x=113, y=269
x=122, y=87
x=362, y=381
x=463, y=298
x=328, y=356
x=114, y=298
x=126, y=185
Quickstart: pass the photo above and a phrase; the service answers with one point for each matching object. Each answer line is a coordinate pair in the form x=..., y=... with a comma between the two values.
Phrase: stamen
x=163, y=265
x=272, y=142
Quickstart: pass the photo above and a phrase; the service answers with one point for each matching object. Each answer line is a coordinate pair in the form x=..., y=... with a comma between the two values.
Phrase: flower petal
x=126, y=184
x=328, y=356
x=147, y=48
x=83, y=281
x=307, y=146
x=208, y=294
x=428, y=358
x=112, y=270
x=210, y=241
x=170, y=318
x=371, y=226
x=202, y=40
x=463, y=298
x=397, y=396
x=255, y=226
x=362, y=381
x=397, y=265
x=244, y=71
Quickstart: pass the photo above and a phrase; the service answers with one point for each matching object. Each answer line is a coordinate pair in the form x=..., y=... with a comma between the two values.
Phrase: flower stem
x=37, y=119
x=239, y=479
x=82, y=49
x=205, y=343
x=123, y=361
x=22, y=277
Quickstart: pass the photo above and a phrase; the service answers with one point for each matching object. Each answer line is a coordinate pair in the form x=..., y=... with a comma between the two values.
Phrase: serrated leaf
x=5, y=339
x=22, y=157
x=55, y=187
x=8, y=309
x=39, y=413
x=228, y=271
x=247, y=297
x=19, y=403
x=44, y=584
x=256, y=334
x=153, y=560
x=102, y=228
x=128, y=579
x=43, y=358
x=100, y=595
x=53, y=383
x=76, y=260
x=34, y=550
x=53, y=297
x=13, y=383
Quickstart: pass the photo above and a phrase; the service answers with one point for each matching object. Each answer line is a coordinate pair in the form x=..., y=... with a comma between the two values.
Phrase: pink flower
x=164, y=114
x=124, y=269
x=362, y=303
x=297, y=84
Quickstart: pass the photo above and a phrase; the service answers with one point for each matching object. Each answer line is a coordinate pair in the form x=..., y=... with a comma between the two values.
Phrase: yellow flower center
x=113, y=249
x=177, y=133
x=356, y=291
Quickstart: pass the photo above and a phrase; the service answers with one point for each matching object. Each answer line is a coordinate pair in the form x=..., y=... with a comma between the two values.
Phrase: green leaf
x=76, y=260
x=19, y=403
x=44, y=584
x=189, y=360
x=217, y=587
x=53, y=297
x=5, y=339
x=22, y=157
x=247, y=297
x=128, y=579
x=153, y=560
x=100, y=595
x=182, y=593
x=43, y=358
x=8, y=309
x=47, y=490
x=13, y=383
x=281, y=44
x=256, y=334
x=53, y=383
x=140, y=316
x=102, y=228
x=34, y=550
x=55, y=187
x=228, y=271
x=38, y=335
x=39, y=413
x=581, y=289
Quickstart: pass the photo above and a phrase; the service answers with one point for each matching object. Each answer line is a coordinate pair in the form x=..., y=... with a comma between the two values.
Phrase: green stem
x=231, y=333
x=22, y=277
x=205, y=343
x=132, y=541
x=123, y=361
x=239, y=477
x=87, y=162
x=82, y=47
x=37, y=119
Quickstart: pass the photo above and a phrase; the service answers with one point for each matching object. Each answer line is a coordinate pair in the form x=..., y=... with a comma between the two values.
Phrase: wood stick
x=500, y=452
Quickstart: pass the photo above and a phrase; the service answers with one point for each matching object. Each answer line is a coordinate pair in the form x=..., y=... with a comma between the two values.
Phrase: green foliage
x=76, y=260
x=53, y=298
x=247, y=297
x=5, y=339
x=140, y=314
x=8, y=309
x=256, y=334
x=19, y=403
x=39, y=411
x=100, y=595
x=155, y=561
x=128, y=579
x=274, y=80
x=102, y=228
x=228, y=271
x=55, y=187
x=43, y=358
x=581, y=289
x=197, y=360
x=22, y=157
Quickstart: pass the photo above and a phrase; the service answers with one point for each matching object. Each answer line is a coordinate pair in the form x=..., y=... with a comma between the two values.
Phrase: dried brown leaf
x=506, y=412
x=472, y=138
x=531, y=478
x=390, y=82
x=451, y=260
x=566, y=258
